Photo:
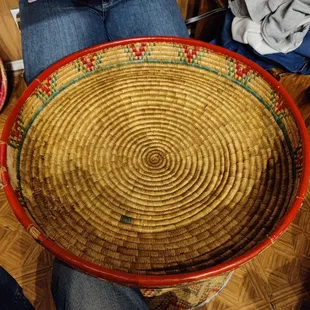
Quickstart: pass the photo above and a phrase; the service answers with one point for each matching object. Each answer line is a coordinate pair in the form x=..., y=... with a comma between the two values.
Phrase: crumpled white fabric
x=244, y=30
x=271, y=26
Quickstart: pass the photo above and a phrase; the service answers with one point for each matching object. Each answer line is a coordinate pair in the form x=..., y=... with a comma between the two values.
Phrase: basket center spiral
x=155, y=158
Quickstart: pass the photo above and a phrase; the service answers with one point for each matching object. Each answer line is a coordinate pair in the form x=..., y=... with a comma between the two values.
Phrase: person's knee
x=76, y=290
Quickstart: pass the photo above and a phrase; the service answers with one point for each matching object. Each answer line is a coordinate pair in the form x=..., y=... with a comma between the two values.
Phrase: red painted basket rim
x=152, y=280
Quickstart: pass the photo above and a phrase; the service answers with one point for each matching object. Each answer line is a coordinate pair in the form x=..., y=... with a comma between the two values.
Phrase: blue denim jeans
x=11, y=294
x=74, y=290
x=52, y=29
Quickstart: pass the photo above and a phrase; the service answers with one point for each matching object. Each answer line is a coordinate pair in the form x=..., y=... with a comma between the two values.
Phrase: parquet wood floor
x=278, y=279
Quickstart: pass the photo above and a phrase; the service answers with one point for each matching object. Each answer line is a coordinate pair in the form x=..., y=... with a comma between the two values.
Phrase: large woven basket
x=155, y=161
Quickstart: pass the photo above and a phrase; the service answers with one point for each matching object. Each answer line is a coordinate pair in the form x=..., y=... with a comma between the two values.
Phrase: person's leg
x=11, y=294
x=53, y=29
x=74, y=290
x=130, y=18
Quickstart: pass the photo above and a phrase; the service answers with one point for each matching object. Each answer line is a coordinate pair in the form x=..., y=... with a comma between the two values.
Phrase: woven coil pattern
x=155, y=158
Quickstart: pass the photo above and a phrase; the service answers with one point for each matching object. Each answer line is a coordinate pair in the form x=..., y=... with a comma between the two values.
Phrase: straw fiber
x=155, y=158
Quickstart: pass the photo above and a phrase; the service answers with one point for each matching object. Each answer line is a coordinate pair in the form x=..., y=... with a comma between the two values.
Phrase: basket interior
x=155, y=158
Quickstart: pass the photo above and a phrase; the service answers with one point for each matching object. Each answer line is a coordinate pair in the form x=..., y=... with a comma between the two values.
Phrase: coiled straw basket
x=156, y=162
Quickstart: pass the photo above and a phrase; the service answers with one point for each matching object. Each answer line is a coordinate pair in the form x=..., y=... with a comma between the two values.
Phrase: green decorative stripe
x=125, y=219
